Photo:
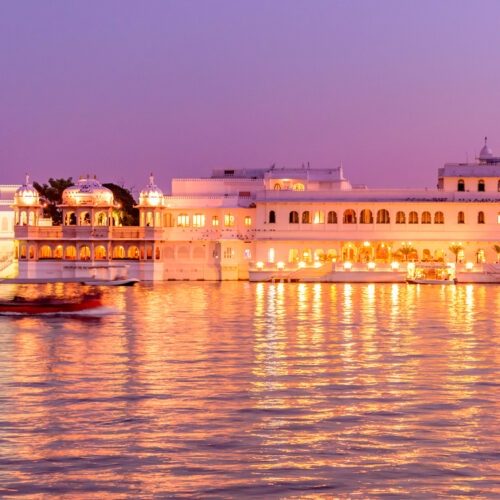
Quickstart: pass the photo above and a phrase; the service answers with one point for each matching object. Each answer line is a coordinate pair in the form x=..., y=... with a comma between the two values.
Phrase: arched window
x=306, y=217
x=24, y=219
x=23, y=251
x=45, y=252
x=349, y=216
x=32, y=252
x=229, y=220
x=31, y=219
x=157, y=253
x=298, y=187
x=85, y=219
x=461, y=185
x=100, y=253
x=366, y=217
x=84, y=253
x=319, y=217
x=499, y=186
x=182, y=220
x=480, y=185
x=198, y=220
x=332, y=217
x=293, y=217
x=400, y=218
x=118, y=252
x=413, y=218
x=149, y=252
x=70, y=253
x=383, y=216
x=439, y=218
x=426, y=255
x=133, y=253
x=58, y=252
x=480, y=218
x=272, y=217
x=461, y=218
x=101, y=219
x=277, y=186
x=426, y=218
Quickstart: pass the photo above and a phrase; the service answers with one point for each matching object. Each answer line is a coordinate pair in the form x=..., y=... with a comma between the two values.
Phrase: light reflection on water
x=223, y=390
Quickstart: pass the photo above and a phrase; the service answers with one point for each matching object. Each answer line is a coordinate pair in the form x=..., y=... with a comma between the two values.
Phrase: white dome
x=27, y=194
x=88, y=192
x=485, y=152
x=151, y=194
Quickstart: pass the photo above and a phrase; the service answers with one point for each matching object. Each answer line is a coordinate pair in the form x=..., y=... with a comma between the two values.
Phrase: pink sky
x=393, y=89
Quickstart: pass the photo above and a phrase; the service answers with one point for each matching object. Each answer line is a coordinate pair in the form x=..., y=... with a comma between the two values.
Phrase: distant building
x=7, y=229
x=295, y=223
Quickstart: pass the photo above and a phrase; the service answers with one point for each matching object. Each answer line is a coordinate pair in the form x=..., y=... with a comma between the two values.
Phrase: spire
x=27, y=178
x=151, y=178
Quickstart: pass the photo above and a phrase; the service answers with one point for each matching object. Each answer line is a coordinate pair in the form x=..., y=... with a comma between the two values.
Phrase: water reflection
x=269, y=390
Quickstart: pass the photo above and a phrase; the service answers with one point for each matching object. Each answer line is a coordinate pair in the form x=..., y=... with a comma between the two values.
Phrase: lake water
x=237, y=390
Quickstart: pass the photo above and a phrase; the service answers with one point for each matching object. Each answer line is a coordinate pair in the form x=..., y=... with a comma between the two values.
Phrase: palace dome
x=27, y=194
x=151, y=194
x=88, y=192
x=485, y=152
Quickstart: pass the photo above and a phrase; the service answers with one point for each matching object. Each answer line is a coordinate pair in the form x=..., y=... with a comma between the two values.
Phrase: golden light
x=395, y=265
x=280, y=265
x=260, y=265
x=302, y=264
x=469, y=265
x=366, y=243
x=318, y=264
x=371, y=265
x=347, y=265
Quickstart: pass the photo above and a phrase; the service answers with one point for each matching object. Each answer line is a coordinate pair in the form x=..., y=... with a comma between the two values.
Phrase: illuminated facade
x=276, y=223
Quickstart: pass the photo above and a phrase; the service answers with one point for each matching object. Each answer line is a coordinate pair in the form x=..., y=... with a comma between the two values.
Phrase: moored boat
x=48, y=305
x=423, y=281
x=115, y=282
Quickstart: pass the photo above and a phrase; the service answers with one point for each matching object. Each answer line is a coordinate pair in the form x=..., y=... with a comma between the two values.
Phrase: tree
x=52, y=195
x=406, y=250
x=497, y=250
x=456, y=248
x=127, y=214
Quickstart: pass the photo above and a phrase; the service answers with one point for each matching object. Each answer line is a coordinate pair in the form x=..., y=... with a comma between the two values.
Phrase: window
x=319, y=217
x=461, y=185
x=480, y=185
x=426, y=218
x=298, y=187
x=149, y=219
x=480, y=257
x=400, y=218
x=182, y=220
x=383, y=216
x=157, y=253
x=461, y=218
x=85, y=253
x=293, y=217
x=198, y=220
x=168, y=220
x=85, y=219
x=100, y=253
x=306, y=217
x=149, y=253
x=70, y=253
x=480, y=218
x=366, y=217
x=413, y=218
x=45, y=252
x=277, y=186
x=332, y=217
x=118, y=252
x=133, y=253
x=23, y=251
x=349, y=216
x=101, y=219
x=228, y=253
x=248, y=253
x=271, y=255
x=293, y=255
x=248, y=221
x=272, y=217
x=439, y=218
x=215, y=220
x=229, y=220
x=499, y=186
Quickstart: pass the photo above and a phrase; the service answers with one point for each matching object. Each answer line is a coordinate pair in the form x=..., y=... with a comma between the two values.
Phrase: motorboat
x=49, y=305
x=432, y=274
x=115, y=282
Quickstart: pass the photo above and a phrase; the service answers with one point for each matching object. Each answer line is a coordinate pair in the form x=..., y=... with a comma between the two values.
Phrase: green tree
x=455, y=248
x=127, y=214
x=51, y=193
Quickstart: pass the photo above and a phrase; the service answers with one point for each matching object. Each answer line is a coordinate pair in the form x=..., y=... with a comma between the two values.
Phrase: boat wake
x=94, y=312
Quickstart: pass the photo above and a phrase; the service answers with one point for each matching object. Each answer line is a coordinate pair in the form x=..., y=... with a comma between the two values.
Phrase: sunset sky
x=393, y=89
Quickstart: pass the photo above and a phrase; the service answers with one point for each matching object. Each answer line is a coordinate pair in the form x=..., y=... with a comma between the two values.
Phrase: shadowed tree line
x=51, y=195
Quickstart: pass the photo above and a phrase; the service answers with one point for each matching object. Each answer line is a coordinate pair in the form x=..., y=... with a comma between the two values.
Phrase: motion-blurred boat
x=48, y=305
x=116, y=282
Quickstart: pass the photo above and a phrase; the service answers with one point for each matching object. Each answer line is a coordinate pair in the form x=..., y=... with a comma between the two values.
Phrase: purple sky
x=393, y=89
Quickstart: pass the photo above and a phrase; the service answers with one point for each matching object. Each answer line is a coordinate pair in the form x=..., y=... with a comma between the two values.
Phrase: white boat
x=115, y=282
x=423, y=281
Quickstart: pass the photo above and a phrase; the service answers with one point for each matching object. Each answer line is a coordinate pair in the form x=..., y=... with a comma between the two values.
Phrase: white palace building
x=292, y=224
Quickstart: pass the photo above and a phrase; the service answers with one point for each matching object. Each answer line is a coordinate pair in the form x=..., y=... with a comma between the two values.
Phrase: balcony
x=37, y=233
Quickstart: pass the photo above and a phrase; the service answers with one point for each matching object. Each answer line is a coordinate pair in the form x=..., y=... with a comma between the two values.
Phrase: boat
x=115, y=282
x=432, y=274
x=48, y=305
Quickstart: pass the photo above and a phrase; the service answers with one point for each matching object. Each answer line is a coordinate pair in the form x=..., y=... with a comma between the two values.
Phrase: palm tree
x=455, y=248
x=406, y=250
x=497, y=250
